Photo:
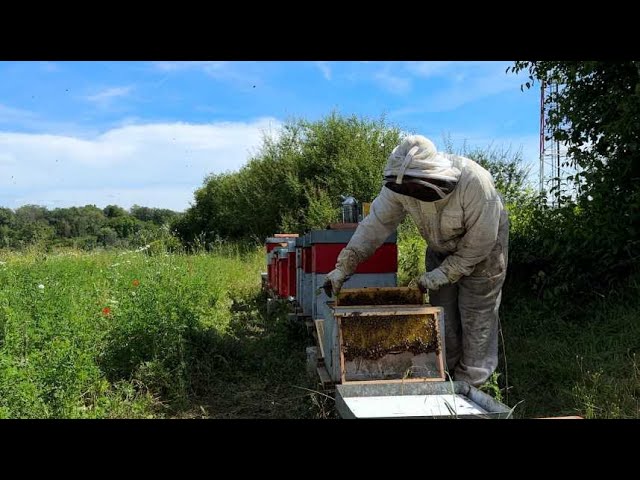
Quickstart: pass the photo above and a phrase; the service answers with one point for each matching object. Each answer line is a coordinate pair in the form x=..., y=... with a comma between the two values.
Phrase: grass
x=581, y=360
x=132, y=335
x=128, y=335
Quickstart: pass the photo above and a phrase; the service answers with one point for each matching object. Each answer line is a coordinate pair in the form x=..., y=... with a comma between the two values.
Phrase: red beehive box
x=283, y=272
x=279, y=240
x=291, y=277
x=324, y=257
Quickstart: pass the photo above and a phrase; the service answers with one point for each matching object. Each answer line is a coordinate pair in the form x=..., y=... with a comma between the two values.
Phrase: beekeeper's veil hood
x=416, y=161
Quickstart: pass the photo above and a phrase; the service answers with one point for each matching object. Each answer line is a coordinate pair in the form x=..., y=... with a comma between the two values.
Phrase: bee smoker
x=350, y=210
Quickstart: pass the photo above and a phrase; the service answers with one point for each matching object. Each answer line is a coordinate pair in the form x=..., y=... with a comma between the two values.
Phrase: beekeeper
x=458, y=211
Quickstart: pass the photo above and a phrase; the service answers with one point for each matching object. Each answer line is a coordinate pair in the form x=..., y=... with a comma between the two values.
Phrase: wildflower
x=106, y=311
x=41, y=287
x=135, y=282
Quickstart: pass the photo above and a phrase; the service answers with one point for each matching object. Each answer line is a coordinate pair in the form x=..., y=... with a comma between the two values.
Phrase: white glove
x=333, y=282
x=432, y=280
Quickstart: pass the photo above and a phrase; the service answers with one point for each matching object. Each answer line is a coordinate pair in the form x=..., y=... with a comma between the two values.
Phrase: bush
x=295, y=181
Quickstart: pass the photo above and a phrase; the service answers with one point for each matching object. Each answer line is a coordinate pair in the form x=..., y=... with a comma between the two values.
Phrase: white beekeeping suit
x=460, y=214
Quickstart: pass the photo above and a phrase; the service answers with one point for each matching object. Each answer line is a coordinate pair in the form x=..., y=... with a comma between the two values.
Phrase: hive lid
x=445, y=400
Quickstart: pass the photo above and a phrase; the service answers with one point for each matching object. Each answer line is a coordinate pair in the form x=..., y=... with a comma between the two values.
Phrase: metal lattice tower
x=554, y=162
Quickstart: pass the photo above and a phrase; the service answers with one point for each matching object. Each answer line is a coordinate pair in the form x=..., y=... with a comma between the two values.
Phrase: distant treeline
x=85, y=227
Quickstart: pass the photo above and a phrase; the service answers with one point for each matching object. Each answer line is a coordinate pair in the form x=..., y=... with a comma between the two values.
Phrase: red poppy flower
x=136, y=282
x=106, y=311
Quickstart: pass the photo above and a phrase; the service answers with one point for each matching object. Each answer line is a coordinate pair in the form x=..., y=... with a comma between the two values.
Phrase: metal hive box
x=444, y=400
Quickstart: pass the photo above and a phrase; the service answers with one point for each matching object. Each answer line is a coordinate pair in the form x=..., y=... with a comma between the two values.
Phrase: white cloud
x=430, y=69
x=7, y=159
x=393, y=83
x=106, y=96
x=451, y=69
x=399, y=112
x=10, y=114
x=130, y=162
x=325, y=69
x=474, y=89
x=176, y=66
x=450, y=83
x=224, y=71
x=49, y=66
x=20, y=119
x=461, y=83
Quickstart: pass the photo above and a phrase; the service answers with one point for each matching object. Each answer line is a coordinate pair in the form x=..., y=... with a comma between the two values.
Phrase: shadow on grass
x=256, y=369
x=580, y=359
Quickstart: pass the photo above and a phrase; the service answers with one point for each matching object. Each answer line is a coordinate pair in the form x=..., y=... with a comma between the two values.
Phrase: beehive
x=387, y=334
x=379, y=270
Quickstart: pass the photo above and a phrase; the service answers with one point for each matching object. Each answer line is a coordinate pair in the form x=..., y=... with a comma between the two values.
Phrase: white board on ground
x=413, y=406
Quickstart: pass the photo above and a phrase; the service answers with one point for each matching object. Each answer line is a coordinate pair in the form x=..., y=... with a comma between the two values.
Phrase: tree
x=597, y=115
x=107, y=236
x=163, y=216
x=295, y=180
x=125, y=226
x=6, y=216
x=84, y=227
x=6, y=233
x=112, y=211
x=144, y=214
x=31, y=225
x=507, y=167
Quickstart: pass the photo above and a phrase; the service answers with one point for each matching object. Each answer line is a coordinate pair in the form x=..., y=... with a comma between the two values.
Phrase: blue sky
x=147, y=133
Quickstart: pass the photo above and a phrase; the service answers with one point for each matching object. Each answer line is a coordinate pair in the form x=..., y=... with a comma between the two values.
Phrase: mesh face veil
x=426, y=190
